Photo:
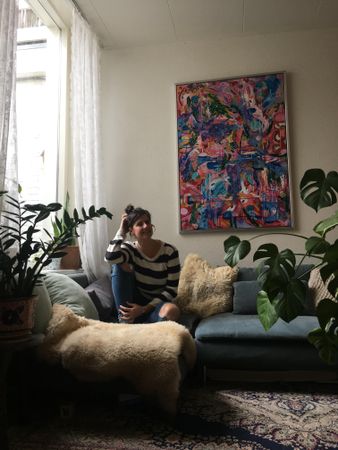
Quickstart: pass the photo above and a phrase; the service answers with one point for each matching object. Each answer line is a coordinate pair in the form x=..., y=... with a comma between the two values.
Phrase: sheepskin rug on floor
x=147, y=355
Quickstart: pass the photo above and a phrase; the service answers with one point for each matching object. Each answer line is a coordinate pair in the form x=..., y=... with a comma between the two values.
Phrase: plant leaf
x=292, y=303
x=326, y=346
x=42, y=215
x=92, y=211
x=266, y=311
x=235, y=250
x=326, y=225
x=281, y=265
x=325, y=310
x=316, y=245
x=53, y=207
x=318, y=190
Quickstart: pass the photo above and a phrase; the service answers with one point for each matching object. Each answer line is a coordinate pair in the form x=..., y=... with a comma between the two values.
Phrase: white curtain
x=87, y=151
x=8, y=148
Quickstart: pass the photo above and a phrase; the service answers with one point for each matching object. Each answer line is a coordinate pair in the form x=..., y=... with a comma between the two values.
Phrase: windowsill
x=65, y=271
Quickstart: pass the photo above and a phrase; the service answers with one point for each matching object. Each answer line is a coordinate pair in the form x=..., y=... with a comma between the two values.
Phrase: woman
x=145, y=271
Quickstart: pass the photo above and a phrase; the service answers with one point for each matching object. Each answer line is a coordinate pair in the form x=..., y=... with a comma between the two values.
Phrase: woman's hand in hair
x=124, y=224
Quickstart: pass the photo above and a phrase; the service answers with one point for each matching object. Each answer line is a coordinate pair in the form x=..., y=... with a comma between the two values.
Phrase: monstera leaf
x=316, y=245
x=326, y=225
x=325, y=338
x=235, y=250
x=281, y=265
x=291, y=304
x=266, y=310
x=317, y=190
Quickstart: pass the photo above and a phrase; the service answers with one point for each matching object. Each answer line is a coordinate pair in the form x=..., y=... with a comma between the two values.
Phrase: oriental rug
x=213, y=417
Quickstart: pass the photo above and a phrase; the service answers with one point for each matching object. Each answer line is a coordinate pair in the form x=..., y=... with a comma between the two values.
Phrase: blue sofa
x=236, y=341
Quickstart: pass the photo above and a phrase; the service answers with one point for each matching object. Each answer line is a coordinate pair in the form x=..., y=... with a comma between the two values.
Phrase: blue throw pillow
x=247, y=274
x=245, y=297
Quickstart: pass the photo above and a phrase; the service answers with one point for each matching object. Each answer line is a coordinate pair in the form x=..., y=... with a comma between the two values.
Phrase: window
x=39, y=101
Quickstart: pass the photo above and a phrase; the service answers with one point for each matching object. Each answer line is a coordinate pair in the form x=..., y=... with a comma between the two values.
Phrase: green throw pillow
x=67, y=292
x=43, y=309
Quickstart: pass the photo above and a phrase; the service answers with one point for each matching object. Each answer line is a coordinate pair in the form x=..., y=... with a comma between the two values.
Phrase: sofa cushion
x=245, y=297
x=247, y=274
x=223, y=327
x=100, y=291
x=205, y=290
x=43, y=309
x=67, y=292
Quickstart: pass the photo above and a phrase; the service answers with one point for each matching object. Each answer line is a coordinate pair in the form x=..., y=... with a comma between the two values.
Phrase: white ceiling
x=129, y=23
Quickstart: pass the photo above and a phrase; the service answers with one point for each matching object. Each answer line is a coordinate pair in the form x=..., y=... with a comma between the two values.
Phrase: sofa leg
x=204, y=375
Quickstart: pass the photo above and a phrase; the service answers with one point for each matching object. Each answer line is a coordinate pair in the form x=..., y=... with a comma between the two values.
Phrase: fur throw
x=144, y=354
x=205, y=290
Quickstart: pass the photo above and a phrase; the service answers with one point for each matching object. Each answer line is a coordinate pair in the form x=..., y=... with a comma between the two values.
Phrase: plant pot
x=17, y=317
x=72, y=260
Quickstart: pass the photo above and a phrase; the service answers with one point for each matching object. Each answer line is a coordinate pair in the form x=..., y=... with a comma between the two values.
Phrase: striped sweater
x=156, y=278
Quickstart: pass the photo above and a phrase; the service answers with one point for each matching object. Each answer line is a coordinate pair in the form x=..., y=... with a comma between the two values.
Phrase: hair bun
x=129, y=208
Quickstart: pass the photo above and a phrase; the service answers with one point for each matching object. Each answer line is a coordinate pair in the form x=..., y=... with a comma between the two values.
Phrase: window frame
x=56, y=14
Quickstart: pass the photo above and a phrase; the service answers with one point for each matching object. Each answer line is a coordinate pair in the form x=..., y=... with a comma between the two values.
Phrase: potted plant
x=71, y=259
x=24, y=253
x=283, y=293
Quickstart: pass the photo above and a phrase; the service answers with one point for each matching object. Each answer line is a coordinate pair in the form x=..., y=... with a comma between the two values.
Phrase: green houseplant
x=23, y=254
x=71, y=259
x=283, y=293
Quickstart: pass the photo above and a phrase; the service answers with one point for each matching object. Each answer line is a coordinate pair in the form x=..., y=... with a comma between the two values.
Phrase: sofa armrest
x=190, y=321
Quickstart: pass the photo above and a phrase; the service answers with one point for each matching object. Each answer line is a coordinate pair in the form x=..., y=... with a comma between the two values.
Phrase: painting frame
x=233, y=154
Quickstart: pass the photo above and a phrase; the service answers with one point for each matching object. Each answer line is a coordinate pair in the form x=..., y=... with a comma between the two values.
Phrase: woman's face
x=142, y=228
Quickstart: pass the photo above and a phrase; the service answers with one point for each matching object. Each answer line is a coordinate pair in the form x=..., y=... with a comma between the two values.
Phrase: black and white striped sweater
x=156, y=278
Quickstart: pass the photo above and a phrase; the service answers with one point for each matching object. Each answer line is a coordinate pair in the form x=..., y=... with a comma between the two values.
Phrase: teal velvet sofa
x=233, y=342
x=228, y=343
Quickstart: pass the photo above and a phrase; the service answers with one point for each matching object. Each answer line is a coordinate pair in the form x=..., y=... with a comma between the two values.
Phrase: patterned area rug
x=278, y=416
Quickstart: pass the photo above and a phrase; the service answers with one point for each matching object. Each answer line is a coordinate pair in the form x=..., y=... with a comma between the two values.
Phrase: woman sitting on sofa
x=145, y=271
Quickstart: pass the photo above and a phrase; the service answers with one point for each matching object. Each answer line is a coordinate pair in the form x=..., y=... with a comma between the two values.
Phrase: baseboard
x=263, y=376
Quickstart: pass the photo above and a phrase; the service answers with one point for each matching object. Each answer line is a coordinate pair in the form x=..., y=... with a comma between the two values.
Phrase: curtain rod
x=78, y=9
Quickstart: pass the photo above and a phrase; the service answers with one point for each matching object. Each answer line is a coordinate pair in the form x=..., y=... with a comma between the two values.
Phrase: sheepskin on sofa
x=205, y=290
x=144, y=354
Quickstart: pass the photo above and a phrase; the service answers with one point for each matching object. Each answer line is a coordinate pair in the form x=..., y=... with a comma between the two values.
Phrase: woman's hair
x=134, y=214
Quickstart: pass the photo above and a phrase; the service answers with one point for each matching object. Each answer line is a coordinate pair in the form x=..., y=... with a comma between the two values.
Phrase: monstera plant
x=283, y=284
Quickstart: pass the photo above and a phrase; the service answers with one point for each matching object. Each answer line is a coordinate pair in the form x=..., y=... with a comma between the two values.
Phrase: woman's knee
x=170, y=311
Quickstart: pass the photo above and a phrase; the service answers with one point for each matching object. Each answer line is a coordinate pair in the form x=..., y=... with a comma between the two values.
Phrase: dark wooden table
x=7, y=349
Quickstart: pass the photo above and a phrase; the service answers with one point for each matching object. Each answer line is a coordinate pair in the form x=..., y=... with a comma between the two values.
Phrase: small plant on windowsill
x=60, y=225
x=283, y=293
x=23, y=255
x=71, y=259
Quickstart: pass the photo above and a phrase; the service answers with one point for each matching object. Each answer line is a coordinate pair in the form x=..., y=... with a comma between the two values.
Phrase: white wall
x=139, y=128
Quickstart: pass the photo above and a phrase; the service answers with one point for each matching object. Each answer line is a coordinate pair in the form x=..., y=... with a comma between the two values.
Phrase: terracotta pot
x=17, y=317
x=72, y=260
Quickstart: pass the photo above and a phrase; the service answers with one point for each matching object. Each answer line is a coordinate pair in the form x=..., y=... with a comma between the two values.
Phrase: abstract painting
x=233, y=153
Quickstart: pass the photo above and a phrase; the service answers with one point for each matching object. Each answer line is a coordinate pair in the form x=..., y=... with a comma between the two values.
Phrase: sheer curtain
x=8, y=149
x=87, y=152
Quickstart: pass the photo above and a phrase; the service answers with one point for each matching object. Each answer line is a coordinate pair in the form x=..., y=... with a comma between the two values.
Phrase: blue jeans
x=125, y=290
